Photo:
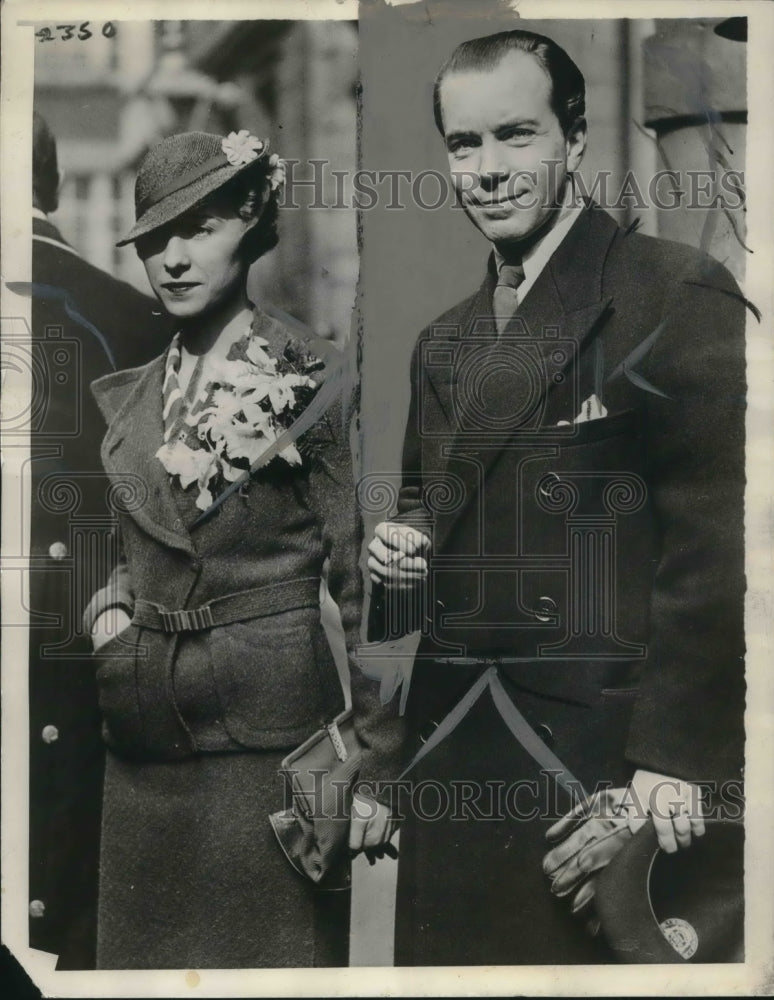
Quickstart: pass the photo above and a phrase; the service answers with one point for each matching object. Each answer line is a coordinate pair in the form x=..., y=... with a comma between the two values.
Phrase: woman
x=221, y=665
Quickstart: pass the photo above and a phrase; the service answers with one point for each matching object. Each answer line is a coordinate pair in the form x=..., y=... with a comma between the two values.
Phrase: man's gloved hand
x=587, y=839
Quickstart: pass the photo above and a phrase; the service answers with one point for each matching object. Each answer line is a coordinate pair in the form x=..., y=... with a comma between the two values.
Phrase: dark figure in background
x=85, y=323
x=587, y=403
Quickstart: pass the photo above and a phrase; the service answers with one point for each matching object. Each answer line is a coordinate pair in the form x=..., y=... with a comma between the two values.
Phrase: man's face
x=508, y=156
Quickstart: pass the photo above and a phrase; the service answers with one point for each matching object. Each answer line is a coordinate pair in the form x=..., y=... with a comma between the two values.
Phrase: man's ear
x=575, y=143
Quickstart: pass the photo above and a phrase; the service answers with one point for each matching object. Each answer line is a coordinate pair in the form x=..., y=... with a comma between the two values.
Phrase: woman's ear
x=254, y=205
x=260, y=233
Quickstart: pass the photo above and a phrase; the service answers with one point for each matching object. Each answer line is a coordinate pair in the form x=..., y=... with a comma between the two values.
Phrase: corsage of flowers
x=249, y=400
x=241, y=148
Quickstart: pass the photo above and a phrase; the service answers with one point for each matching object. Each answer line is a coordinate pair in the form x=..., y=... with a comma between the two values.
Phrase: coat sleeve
x=393, y=614
x=332, y=489
x=117, y=591
x=688, y=718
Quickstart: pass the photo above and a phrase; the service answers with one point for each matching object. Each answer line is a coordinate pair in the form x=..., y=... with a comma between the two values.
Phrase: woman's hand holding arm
x=110, y=623
x=371, y=828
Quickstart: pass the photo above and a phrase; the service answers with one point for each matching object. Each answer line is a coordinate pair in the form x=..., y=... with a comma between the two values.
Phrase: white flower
x=255, y=353
x=188, y=463
x=204, y=500
x=255, y=414
x=281, y=391
x=278, y=172
x=291, y=454
x=241, y=148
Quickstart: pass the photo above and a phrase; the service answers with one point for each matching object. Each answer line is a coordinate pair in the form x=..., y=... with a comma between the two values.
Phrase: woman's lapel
x=140, y=483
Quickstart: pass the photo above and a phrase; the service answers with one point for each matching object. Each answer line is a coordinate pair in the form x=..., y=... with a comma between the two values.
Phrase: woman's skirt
x=191, y=875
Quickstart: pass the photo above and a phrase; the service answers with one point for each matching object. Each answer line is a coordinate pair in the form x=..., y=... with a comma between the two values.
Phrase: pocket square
x=592, y=409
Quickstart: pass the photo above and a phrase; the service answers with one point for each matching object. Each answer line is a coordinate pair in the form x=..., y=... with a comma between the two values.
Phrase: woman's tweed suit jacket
x=274, y=677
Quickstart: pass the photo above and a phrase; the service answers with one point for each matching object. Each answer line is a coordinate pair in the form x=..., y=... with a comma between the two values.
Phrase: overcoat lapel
x=135, y=432
x=565, y=304
x=442, y=374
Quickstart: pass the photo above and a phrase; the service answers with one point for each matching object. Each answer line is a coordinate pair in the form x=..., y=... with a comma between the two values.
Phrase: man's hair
x=45, y=171
x=568, y=88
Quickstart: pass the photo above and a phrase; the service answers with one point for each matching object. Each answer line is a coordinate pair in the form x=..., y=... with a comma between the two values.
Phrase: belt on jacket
x=256, y=603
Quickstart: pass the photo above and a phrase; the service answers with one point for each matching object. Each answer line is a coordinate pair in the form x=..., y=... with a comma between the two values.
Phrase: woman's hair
x=568, y=88
x=251, y=197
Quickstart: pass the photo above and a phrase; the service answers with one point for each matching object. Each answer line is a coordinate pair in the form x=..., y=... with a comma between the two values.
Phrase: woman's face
x=193, y=263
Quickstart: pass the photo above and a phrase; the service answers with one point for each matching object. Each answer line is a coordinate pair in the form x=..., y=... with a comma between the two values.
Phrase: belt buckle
x=193, y=620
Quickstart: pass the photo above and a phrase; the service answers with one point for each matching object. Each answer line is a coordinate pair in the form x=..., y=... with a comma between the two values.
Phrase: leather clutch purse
x=313, y=832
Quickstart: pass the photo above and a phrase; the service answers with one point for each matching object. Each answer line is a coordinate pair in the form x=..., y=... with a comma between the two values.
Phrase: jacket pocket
x=590, y=431
x=117, y=689
x=268, y=673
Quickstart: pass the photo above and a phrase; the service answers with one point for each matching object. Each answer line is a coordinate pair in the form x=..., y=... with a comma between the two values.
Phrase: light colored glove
x=590, y=836
x=587, y=839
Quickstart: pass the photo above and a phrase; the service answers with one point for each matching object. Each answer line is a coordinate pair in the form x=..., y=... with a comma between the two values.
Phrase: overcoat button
x=545, y=733
x=50, y=734
x=57, y=550
x=37, y=908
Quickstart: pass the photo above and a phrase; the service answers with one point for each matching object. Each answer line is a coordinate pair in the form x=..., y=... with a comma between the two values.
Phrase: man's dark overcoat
x=602, y=560
x=84, y=323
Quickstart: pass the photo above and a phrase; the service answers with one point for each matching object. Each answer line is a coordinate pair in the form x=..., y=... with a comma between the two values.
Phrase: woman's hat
x=182, y=169
x=687, y=906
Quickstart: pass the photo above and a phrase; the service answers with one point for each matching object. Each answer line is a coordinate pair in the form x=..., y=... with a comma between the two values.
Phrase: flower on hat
x=278, y=171
x=241, y=148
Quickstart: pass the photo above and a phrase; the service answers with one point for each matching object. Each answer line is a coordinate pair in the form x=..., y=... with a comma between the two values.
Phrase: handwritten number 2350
x=68, y=31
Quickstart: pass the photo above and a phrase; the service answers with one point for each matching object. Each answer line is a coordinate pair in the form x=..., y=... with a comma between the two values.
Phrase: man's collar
x=44, y=231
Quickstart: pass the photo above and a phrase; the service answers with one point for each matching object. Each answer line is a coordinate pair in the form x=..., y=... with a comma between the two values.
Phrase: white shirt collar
x=38, y=213
x=538, y=255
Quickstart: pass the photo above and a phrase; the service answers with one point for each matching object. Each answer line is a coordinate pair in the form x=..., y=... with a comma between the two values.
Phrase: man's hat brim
x=697, y=894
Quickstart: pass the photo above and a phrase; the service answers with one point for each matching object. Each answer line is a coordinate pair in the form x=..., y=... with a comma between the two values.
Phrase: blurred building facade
x=666, y=95
x=109, y=99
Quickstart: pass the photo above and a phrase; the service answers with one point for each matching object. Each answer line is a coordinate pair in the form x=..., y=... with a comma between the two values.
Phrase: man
x=568, y=538
x=85, y=323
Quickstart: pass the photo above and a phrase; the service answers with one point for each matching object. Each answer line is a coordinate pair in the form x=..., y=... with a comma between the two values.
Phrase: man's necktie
x=505, y=298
